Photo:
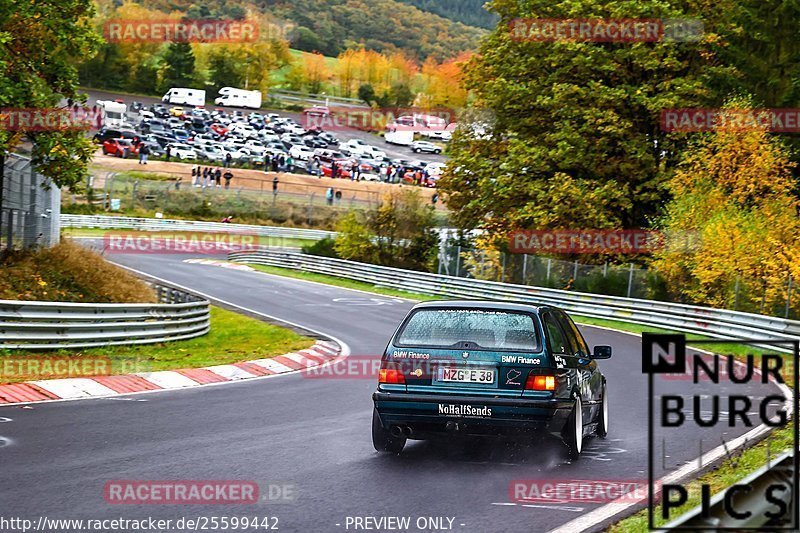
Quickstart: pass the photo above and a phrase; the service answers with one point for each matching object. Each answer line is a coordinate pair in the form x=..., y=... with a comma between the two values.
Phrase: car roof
x=485, y=304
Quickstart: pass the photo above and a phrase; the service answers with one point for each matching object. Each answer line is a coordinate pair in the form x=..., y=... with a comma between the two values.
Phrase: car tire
x=382, y=440
x=105, y=152
x=573, y=431
x=415, y=150
x=602, y=416
x=437, y=152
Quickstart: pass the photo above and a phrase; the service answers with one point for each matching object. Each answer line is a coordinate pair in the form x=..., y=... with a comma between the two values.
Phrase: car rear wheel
x=382, y=440
x=573, y=432
x=602, y=417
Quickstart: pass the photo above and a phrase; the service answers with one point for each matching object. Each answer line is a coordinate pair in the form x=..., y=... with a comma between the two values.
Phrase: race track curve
x=311, y=433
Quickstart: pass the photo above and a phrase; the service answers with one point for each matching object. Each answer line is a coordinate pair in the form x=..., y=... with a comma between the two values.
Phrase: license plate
x=465, y=375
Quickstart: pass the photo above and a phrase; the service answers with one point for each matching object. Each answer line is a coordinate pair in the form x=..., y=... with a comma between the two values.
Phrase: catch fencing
x=29, y=216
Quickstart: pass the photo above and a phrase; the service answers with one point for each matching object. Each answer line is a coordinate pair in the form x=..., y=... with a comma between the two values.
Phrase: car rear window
x=489, y=329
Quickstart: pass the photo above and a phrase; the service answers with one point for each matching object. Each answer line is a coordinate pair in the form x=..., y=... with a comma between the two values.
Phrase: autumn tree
x=732, y=226
x=400, y=232
x=576, y=120
x=42, y=43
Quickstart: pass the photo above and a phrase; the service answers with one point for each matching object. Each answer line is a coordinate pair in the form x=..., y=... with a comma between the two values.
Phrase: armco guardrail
x=717, y=323
x=167, y=224
x=40, y=325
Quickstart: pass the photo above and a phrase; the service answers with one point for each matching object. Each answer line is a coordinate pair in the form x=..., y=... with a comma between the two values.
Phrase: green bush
x=324, y=248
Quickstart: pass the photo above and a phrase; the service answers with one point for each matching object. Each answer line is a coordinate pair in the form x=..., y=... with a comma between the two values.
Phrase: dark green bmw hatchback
x=489, y=368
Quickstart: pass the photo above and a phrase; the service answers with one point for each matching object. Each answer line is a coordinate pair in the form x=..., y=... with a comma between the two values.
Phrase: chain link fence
x=30, y=207
x=307, y=206
x=627, y=280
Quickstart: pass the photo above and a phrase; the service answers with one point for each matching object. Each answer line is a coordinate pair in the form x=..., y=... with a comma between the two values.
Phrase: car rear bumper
x=431, y=414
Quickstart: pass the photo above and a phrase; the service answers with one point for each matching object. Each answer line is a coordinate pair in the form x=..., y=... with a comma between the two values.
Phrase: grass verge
x=232, y=338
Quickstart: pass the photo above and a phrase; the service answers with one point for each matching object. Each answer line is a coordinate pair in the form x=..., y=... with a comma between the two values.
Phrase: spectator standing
x=228, y=177
x=144, y=151
x=338, y=196
x=167, y=153
x=218, y=177
x=228, y=159
x=290, y=163
x=388, y=174
x=275, y=163
x=205, y=177
x=334, y=170
x=329, y=196
x=274, y=185
x=435, y=198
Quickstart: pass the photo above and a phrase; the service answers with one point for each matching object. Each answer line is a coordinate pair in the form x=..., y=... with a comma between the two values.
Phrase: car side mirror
x=601, y=352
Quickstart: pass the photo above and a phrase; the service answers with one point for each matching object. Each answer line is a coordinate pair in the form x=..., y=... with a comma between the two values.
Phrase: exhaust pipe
x=407, y=431
x=396, y=431
x=452, y=426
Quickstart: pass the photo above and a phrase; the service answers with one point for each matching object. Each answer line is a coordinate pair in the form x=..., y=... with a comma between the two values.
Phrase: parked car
x=119, y=147
x=182, y=151
x=105, y=134
x=301, y=152
x=209, y=152
x=159, y=110
x=425, y=146
x=176, y=111
x=180, y=134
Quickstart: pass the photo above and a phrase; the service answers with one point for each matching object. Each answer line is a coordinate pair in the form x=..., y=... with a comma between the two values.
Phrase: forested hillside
x=470, y=12
x=331, y=26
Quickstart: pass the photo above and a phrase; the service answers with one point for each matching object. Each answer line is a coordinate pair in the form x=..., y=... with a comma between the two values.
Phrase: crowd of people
x=211, y=177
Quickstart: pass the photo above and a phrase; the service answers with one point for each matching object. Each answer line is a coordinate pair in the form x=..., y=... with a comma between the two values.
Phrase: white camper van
x=183, y=96
x=403, y=137
x=113, y=113
x=232, y=97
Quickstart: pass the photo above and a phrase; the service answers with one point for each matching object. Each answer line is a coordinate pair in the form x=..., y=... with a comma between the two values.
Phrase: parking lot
x=275, y=142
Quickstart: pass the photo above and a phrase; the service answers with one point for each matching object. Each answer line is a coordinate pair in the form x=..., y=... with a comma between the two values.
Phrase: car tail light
x=391, y=376
x=540, y=383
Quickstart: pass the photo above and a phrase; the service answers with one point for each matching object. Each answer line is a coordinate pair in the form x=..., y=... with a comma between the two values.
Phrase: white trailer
x=232, y=97
x=184, y=96
x=403, y=137
x=113, y=113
